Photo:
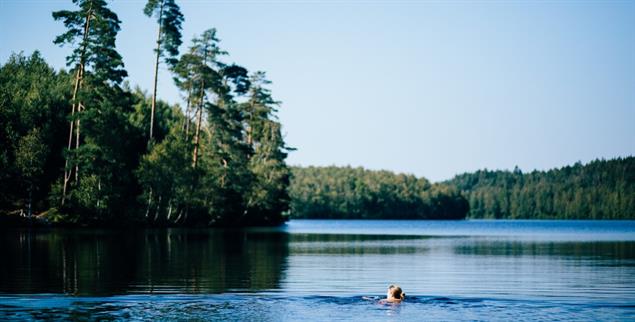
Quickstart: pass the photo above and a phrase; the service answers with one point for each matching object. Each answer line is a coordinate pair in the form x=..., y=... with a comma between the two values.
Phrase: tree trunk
x=187, y=111
x=178, y=217
x=76, y=105
x=99, y=190
x=197, y=137
x=250, y=125
x=197, y=134
x=156, y=70
x=29, y=212
x=79, y=109
x=222, y=178
x=158, y=209
x=67, y=172
x=149, y=203
x=167, y=218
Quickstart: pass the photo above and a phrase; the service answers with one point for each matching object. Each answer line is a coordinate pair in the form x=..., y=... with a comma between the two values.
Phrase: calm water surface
x=324, y=270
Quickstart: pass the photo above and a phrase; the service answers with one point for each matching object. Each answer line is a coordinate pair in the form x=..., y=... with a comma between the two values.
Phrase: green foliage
x=95, y=49
x=103, y=146
x=240, y=180
x=221, y=161
x=29, y=159
x=166, y=175
x=30, y=155
x=109, y=151
x=170, y=21
x=356, y=193
x=167, y=116
x=32, y=116
x=269, y=195
x=599, y=190
x=233, y=181
x=81, y=137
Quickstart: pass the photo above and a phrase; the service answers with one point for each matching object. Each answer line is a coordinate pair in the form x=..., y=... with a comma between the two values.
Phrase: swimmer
x=394, y=295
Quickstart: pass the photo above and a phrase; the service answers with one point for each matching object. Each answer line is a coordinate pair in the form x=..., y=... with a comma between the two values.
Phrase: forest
x=601, y=189
x=357, y=193
x=81, y=147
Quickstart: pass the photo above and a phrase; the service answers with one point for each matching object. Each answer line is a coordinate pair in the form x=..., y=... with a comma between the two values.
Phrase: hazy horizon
x=430, y=88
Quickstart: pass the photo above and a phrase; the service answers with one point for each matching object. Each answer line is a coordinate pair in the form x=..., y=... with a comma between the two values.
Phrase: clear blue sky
x=430, y=88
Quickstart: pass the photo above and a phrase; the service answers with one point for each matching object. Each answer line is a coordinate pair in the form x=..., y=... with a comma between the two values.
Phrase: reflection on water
x=100, y=262
x=359, y=245
x=620, y=252
x=485, y=270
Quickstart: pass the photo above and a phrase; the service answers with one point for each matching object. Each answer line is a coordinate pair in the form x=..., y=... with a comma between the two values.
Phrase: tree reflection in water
x=106, y=262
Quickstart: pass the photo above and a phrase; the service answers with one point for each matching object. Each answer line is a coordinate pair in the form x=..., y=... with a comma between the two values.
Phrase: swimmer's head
x=395, y=293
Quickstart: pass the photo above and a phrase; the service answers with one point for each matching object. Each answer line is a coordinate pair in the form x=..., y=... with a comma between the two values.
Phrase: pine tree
x=197, y=74
x=169, y=19
x=92, y=31
x=204, y=56
x=268, y=197
x=105, y=149
x=226, y=157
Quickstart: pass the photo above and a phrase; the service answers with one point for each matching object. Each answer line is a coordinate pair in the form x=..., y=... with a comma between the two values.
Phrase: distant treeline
x=602, y=189
x=356, y=193
x=80, y=146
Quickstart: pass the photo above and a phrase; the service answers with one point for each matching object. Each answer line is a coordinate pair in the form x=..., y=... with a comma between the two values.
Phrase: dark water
x=323, y=271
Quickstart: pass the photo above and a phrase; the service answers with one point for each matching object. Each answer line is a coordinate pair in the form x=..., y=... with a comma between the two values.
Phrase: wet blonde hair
x=396, y=292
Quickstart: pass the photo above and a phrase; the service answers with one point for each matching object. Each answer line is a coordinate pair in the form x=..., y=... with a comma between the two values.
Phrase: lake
x=324, y=270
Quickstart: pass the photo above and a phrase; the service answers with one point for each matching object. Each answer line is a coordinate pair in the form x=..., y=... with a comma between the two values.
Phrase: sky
x=432, y=88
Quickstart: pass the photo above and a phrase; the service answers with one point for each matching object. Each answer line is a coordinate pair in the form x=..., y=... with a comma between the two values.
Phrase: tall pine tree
x=268, y=197
x=170, y=19
x=102, y=157
x=91, y=30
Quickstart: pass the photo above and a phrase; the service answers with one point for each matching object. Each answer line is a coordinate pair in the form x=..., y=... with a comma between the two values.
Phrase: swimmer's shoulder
x=390, y=301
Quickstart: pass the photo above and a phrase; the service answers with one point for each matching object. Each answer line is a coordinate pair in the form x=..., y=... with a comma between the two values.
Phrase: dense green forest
x=602, y=189
x=356, y=193
x=80, y=146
